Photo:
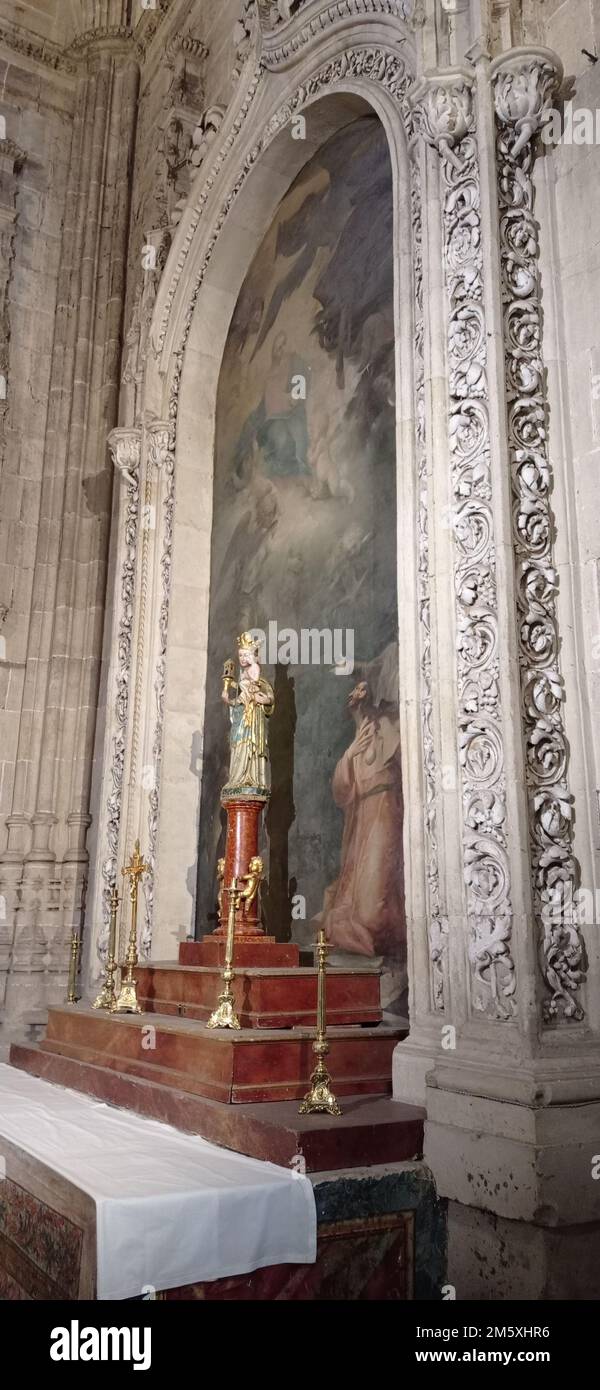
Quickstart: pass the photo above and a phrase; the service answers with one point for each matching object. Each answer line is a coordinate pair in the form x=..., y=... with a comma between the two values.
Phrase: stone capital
x=525, y=82
x=125, y=449
x=442, y=104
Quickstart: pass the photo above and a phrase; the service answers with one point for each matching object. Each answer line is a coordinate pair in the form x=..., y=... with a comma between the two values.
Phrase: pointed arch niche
x=228, y=218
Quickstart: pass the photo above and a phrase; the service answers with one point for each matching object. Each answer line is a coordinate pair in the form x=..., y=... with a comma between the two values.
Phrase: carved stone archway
x=335, y=79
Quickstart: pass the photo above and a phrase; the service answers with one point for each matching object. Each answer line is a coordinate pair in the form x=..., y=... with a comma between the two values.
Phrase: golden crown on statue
x=248, y=642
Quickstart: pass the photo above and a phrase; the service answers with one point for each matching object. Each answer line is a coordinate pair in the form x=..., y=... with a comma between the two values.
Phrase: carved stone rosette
x=125, y=448
x=524, y=85
x=444, y=113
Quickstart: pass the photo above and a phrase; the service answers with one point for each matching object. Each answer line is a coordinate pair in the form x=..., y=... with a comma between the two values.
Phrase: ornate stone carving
x=185, y=58
x=199, y=206
x=443, y=112
x=161, y=445
x=205, y=133
x=107, y=33
x=125, y=446
x=135, y=351
x=379, y=65
x=195, y=149
x=274, y=12
x=11, y=162
x=48, y=53
x=437, y=927
x=280, y=48
x=243, y=35
x=148, y=26
x=524, y=85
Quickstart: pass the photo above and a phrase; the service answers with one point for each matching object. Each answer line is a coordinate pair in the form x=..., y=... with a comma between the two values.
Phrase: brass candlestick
x=72, y=995
x=320, y=1098
x=220, y=880
x=224, y=1016
x=127, y=1001
x=107, y=997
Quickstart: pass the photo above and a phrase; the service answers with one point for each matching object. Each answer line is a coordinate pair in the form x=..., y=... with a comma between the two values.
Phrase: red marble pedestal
x=255, y=950
x=241, y=845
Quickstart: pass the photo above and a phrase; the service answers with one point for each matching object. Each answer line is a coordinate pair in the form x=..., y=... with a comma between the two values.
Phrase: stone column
x=11, y=162
x=513, y=1098
x=52, y=784
x=125, y=450
x=131, y=758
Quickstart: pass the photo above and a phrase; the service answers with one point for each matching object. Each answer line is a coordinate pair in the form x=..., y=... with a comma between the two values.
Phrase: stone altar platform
x=241, y=1089
x=275, y=997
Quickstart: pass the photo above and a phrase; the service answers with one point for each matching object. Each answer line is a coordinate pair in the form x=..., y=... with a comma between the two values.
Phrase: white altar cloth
x=172, y=1209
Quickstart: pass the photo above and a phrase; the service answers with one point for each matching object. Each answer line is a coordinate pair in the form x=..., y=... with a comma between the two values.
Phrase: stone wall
x=146, y=151
x=36, y=104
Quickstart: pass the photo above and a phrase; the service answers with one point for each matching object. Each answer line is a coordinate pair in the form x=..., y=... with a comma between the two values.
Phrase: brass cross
x=135, y=868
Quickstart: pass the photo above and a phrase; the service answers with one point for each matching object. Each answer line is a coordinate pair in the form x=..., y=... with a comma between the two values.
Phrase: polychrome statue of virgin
x=251, y=701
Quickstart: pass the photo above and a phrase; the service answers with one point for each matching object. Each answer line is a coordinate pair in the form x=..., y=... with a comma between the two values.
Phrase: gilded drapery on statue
x=251, y=702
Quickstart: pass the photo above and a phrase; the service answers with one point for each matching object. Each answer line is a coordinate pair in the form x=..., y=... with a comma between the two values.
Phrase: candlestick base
x=224, y=1016
x=127, y=1001
x=320, y=1100
x=106, y=999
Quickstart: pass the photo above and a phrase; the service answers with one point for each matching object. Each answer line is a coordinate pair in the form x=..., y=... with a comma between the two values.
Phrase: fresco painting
x=304, y=536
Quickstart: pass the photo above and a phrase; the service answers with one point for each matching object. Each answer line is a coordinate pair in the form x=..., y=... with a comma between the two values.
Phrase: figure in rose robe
x=363, y=910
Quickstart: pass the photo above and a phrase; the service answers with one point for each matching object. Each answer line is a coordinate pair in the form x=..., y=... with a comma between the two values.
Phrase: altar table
x=171, y=1209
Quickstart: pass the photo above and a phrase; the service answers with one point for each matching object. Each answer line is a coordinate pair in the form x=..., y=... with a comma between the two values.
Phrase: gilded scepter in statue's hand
x=228, y=678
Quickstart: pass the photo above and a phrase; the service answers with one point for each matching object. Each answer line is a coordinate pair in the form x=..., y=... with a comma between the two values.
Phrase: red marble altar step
x=262, y=951
x=371, y=1130
x=229, y=1066
x=273, y=998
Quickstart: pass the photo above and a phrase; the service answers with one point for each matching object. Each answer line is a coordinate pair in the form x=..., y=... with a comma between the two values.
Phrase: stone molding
x=282, y=45
x=445, y=115
x=437, y=925
x=525, y=82
x=125, y=450
x=161, y=448
x=49, y=54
